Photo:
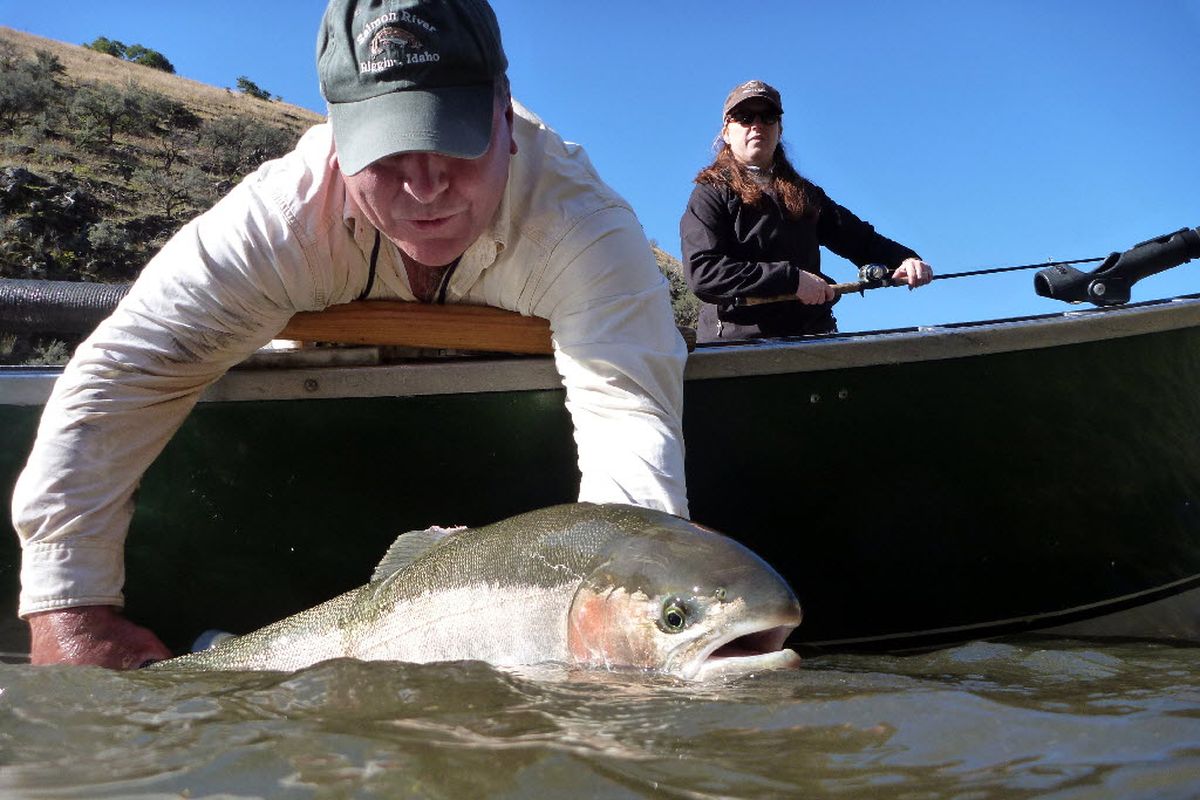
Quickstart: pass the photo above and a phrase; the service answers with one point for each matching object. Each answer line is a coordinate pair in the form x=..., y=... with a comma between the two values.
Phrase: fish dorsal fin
x=410, y=546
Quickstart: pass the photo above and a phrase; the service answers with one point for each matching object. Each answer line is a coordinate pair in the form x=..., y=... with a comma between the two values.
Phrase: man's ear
x=333, y=161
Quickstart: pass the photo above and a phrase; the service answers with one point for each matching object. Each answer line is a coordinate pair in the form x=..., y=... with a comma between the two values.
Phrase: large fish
x=608, y=586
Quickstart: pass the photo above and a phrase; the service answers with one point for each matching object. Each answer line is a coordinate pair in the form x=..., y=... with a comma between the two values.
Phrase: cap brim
x=764, y=97
x=453, y=121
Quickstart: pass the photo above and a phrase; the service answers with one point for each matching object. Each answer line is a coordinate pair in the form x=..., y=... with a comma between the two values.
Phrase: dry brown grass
x=58, y=154
x=87, y=66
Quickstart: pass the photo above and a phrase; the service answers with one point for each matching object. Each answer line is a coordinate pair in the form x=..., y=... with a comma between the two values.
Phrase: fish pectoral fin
x=410, y=546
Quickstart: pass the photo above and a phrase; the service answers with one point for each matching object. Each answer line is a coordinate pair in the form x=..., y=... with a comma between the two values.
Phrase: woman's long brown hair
x=797, y=196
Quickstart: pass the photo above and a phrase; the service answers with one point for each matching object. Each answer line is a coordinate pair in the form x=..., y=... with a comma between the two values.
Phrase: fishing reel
x=874, y=276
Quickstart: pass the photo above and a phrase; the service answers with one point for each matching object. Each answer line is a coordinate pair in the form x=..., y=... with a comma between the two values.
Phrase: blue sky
x=979, y=133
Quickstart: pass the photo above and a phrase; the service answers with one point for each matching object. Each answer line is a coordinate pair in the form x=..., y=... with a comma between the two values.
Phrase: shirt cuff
x=55, y=576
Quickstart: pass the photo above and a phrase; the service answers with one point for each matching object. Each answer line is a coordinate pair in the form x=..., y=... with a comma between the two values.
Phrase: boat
x=1046, y=476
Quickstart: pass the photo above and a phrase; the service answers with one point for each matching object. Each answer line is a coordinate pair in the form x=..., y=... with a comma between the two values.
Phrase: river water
x=1011, y=719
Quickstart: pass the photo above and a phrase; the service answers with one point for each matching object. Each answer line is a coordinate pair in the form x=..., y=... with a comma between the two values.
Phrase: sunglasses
x=747, y=118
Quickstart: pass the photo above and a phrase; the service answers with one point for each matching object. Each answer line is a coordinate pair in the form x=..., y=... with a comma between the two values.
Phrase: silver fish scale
x=540, y=550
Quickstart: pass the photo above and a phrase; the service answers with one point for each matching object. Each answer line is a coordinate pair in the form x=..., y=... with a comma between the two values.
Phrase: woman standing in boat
x=753, y=228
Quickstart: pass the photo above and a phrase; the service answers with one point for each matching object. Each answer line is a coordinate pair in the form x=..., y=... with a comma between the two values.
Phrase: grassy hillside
x=102, y=160
x=210, y=102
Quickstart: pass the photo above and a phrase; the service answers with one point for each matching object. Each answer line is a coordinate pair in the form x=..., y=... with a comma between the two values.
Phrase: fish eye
x=674, y=616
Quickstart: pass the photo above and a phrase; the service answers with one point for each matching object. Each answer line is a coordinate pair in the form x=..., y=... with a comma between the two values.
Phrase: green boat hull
x=914, y=487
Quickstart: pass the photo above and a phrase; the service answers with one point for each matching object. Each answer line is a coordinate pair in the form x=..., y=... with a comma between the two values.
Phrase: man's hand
x=814, y=290
x=914, y=272
x=95, y=635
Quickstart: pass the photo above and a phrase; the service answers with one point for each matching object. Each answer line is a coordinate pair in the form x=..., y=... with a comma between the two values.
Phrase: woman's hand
x=914, y=272
x=814, y=290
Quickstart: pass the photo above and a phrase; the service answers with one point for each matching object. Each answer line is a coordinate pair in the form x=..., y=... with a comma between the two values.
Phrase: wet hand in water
x=92, y=635
x=914, y=272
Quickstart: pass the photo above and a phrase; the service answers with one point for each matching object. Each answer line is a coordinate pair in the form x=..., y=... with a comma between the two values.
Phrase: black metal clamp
x=1110, y=283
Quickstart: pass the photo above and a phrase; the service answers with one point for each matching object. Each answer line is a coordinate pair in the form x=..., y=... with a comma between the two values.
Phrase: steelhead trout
x=603, y=586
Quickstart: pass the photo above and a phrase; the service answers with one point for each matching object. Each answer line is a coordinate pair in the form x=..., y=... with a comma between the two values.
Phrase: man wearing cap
x=427, y=184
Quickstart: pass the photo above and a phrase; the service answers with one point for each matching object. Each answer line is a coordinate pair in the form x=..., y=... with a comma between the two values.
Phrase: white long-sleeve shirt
x=562, y=246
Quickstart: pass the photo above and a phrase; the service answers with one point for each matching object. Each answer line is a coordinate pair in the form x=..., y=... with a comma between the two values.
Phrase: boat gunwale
x=31, y=386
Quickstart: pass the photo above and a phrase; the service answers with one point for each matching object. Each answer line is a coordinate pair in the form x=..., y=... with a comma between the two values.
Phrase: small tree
x=105, y=107
x=46, y=63
x=159, y=114
x=239, y=144
x=172, y=191
x=149, y=58
x=22, y=95
x=110, y=47
x=171, y=146
x=9, y=57
x=28, y=88
x=247, y=86
x=138, y=54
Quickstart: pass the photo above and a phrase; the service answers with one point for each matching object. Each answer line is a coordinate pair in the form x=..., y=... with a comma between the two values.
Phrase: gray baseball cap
x=409, y=75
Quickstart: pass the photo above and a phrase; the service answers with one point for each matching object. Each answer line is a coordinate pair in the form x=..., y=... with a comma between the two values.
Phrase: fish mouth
x=745, y=651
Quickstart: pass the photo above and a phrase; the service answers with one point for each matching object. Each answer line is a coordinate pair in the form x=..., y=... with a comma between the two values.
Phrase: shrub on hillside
x=237, y=144
x=105, y=173
x=100, y=110
x=247, y=86
x=172, y=191
x=110, y=47
x=27, y=88
x=148, y=58
x=136, y=53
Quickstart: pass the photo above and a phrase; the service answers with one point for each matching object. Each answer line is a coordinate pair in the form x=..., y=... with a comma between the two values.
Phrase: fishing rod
x=1109, y=284
x=878, y=276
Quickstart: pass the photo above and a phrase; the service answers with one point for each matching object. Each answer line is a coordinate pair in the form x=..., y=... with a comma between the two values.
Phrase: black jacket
x=732, y=250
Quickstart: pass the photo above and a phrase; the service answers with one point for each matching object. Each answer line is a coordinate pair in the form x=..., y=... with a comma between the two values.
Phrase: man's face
x=433, y=206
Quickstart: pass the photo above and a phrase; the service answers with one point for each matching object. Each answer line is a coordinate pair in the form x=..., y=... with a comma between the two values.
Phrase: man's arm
x=222, y=287
x=125, y=392
x=621, y=359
